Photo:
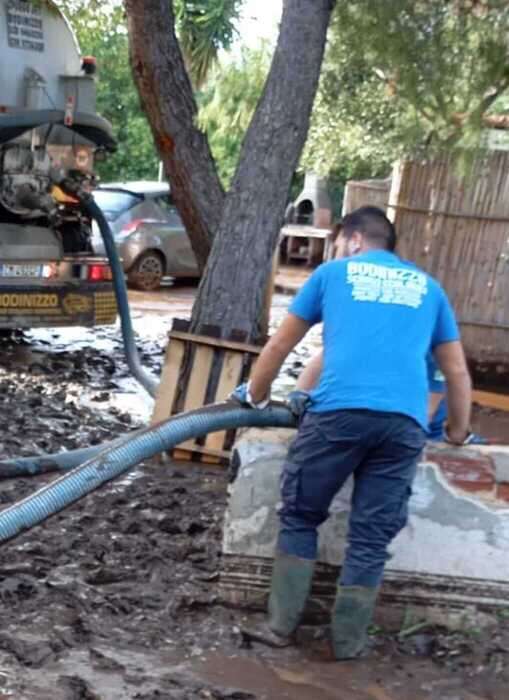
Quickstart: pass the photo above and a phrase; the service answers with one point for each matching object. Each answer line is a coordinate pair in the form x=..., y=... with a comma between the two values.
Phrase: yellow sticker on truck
x=28, y=301
x=65, y=306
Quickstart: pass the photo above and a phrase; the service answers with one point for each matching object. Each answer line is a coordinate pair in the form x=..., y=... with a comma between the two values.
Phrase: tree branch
x=231, y=294
x=168, y=101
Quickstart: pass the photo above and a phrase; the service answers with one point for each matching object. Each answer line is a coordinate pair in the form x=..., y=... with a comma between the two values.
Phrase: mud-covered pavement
x=115, y=598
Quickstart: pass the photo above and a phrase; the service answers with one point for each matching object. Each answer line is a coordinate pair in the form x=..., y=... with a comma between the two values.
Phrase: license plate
x=21, y=270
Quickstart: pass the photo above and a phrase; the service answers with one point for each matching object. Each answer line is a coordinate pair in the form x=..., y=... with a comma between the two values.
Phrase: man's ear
x=357, y=241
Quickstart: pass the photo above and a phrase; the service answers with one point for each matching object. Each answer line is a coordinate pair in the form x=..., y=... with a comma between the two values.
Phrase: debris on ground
x=115, y=598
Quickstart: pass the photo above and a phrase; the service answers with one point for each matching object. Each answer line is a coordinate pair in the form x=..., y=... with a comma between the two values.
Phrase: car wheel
x=147, y=272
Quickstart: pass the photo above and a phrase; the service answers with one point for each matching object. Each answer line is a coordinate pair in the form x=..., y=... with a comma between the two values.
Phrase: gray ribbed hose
x=56, y=462
x=147, y=381
x=127, y=452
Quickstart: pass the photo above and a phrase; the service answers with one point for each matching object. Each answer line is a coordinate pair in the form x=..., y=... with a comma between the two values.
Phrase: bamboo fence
x=457, y=229
x=359, y=193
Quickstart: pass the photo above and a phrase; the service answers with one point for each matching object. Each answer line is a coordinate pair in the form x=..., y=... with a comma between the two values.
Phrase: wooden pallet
x=213, y=367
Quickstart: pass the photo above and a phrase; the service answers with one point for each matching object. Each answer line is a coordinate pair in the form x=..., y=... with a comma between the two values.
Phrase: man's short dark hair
x=374, y=226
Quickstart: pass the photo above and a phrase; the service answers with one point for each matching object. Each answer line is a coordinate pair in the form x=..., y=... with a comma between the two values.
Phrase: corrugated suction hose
x=127, y=452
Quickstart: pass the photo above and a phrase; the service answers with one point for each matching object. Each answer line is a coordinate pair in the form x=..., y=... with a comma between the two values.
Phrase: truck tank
x=50, y=135
x=48, y=121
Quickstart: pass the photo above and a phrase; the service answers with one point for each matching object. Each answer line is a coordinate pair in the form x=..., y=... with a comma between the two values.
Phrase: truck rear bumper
x=34, y=304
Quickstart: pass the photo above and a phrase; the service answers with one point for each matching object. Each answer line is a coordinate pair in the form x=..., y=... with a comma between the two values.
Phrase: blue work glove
x=298, y=402
x=242, y=395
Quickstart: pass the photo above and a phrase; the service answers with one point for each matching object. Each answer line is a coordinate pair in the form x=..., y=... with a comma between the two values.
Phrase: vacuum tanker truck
x=50, y=136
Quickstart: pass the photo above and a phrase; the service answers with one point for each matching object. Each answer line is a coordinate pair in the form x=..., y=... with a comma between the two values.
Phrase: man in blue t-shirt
x=367, y=417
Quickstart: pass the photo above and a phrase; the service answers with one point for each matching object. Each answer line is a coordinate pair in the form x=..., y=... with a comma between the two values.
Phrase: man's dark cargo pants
x=381, y=451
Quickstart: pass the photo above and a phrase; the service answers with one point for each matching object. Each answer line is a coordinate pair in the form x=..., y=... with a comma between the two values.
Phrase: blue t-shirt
x=436, y=381
x=381, y=315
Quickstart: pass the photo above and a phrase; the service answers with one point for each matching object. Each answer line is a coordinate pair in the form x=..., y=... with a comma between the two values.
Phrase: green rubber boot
x=351, y=616
x=289, y=590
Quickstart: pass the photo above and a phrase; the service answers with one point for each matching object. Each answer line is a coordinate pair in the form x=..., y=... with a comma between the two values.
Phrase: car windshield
x=113, y=203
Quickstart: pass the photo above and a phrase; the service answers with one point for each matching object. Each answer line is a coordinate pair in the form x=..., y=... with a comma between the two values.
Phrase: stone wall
x=451, y=559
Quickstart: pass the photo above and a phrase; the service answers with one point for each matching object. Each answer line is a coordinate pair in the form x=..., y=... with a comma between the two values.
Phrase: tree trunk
x=232, y=290
x=168, y=101
x=245, y=225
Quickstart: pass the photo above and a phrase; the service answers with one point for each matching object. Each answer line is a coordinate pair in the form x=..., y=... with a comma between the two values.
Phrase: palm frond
x=204, y=27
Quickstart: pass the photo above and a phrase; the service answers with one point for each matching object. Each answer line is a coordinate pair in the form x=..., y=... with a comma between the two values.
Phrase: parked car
x=148, y=231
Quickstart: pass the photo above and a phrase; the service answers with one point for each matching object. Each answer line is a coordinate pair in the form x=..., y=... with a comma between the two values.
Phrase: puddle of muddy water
x=302, y=678
x=271, y=680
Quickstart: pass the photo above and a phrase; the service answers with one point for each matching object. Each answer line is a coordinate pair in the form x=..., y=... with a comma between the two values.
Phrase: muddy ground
x=116, y=599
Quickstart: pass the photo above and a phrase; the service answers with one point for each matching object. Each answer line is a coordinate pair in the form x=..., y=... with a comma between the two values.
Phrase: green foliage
x=228, y=102
x=396, y=75
x=439, y=59
x=82, y=8
x=402, y=76
x=354, y=126
x=204, y=27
